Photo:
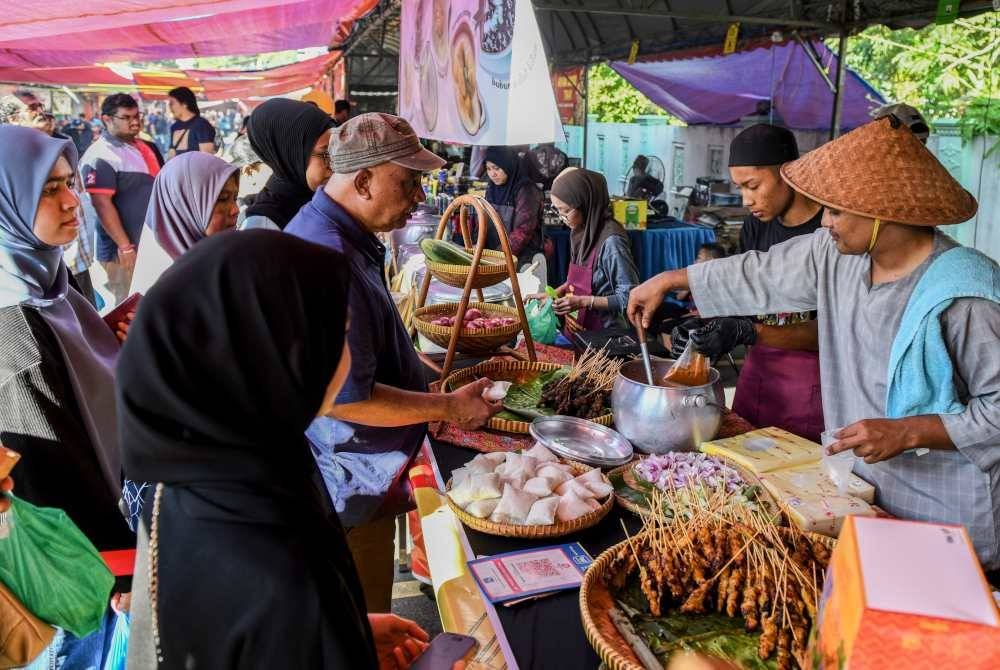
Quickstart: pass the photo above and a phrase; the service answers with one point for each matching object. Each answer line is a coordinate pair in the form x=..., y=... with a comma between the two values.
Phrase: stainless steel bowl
x=657, y=419
x=582, y=440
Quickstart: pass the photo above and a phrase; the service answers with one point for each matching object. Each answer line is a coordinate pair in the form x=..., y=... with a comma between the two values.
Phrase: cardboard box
x=765, y=450
x=812, y=501
x=630, y=213
x=905, y=594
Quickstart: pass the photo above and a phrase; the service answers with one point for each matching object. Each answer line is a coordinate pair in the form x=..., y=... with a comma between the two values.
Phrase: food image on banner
x=475, y=72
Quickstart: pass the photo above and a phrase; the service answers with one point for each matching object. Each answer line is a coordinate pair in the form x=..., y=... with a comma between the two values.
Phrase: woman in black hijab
x=242, y=563
x=602, y=269
x=517, y=200
x=292, y=138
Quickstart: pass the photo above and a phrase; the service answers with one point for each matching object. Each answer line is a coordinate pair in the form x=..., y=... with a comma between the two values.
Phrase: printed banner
x=475, y=72
x=568, y=86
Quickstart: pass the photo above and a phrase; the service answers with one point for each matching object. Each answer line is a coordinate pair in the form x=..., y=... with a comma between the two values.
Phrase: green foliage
x=614, y=100
x=944, y=71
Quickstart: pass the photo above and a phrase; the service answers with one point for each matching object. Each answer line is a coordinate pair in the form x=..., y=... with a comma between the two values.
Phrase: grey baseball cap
x=376, y=138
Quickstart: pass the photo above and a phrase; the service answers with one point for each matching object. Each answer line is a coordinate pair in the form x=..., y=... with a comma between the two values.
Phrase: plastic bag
x=54, y=569
x=691, y=369
x=542, y=321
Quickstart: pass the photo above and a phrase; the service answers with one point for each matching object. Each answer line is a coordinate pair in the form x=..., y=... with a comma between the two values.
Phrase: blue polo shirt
x=381, y=352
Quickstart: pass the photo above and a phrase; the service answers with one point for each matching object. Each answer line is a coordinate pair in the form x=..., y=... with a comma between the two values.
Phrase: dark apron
x=581, y=279
x=780, y=387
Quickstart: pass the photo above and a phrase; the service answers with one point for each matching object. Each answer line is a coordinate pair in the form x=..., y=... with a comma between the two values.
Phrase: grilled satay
x=695, y=603
x=748, y=608
x=734, y=589
x=720, y=601
x=785, y=650
x=768, y=636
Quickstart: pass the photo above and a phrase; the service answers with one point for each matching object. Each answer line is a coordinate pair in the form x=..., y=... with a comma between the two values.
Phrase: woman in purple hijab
x=194, y=197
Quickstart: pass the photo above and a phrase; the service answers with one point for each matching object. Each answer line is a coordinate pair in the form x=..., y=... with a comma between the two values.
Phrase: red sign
x=568, y=87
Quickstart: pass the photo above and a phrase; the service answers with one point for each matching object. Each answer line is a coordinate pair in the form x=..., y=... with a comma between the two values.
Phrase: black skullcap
x=762, y=145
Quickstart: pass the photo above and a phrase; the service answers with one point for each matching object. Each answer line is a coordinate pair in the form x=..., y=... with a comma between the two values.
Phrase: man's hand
x=877, y=440
x=398, y=642
x=720, y=336
x=468, y=409
x=646, y=298
x=6, y=486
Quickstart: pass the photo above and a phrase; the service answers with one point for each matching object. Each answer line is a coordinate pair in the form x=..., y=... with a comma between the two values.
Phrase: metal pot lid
x=440, y=293
x=582, y=440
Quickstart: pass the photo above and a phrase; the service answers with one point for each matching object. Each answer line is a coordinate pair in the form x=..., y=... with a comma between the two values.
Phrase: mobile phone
x=117, y=315
x=445, y=650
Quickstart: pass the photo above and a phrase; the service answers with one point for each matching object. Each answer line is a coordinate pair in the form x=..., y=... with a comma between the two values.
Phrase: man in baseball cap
x=366, y=445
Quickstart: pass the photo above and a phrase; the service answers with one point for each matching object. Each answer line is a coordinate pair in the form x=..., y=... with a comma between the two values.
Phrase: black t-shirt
x=185, y=136
x=760, y=235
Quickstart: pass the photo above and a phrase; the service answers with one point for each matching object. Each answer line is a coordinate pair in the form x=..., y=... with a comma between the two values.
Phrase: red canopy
x=56, y=34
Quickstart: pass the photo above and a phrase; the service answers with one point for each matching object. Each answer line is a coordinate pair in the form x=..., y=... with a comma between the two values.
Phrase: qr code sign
x=539, y=567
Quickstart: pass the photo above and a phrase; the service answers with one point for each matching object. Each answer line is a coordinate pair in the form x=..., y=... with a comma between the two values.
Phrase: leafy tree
x=947, y=71
x=614, y=100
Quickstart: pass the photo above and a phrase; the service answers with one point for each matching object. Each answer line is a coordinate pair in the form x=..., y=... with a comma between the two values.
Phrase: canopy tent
x=54, y=45
x=211, y=84
x=584, y=31
x=722, y=89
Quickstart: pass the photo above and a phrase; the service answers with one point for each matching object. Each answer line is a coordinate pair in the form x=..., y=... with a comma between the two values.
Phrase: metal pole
x=838, y=95
x=586, y=110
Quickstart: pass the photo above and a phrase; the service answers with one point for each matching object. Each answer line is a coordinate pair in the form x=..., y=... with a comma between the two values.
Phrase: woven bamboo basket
x=473, y=342
x=557, y=529
x=596, y=600
x=770, y=505
x=488, y=275
x=508, y=371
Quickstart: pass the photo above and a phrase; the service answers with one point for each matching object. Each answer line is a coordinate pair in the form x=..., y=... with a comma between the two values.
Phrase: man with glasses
x=118, y=170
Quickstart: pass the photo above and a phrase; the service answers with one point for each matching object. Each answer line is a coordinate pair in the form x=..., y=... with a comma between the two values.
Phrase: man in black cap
x=779, y=383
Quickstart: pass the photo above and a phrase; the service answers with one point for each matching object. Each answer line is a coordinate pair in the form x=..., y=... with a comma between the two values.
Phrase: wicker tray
x=508, y=371
x=596, y=600
x=456, y=275
x=771, y=506
x=557, y=529
x=473, y=342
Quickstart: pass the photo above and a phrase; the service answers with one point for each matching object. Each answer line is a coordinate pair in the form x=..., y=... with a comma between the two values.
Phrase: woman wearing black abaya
x=248, y=566
x=291, y=137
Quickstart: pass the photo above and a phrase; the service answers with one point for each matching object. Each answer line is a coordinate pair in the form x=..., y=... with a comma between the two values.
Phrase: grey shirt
x=857, y=325
x=615, y=274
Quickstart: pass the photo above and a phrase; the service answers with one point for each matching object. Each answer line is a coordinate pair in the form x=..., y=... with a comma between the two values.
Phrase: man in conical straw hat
x=909, y=323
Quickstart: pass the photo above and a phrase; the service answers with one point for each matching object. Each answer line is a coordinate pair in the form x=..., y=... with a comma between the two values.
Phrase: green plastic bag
x=53, y=568
x=542, y=321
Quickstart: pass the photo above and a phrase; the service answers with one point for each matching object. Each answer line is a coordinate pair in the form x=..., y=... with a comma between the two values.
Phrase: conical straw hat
x=882, y=171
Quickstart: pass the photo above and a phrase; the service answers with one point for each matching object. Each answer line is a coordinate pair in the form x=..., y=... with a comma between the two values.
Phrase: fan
x=644, y=180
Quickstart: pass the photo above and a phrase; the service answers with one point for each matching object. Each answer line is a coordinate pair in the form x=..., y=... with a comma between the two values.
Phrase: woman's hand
x=121, y=603
x=540, y=297
x=123, y=326
x=6, y=486
x=398, y=642
x=568, y=303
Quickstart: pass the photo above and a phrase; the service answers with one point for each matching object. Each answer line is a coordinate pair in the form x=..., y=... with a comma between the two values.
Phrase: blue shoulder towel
x=921, y=374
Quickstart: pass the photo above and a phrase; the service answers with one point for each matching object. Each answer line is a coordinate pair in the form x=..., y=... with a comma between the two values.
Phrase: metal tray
x=582, y=440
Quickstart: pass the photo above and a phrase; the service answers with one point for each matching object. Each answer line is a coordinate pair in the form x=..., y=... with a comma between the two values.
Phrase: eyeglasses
x=129, y=119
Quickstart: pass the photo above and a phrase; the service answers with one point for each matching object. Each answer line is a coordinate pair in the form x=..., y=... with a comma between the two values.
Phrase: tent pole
x=838, y=95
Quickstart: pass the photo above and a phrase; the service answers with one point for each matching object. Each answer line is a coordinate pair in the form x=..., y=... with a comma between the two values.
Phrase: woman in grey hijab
x=194, y=197
x=57, y=356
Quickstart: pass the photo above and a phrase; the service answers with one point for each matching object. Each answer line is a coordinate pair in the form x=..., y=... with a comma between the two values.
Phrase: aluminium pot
x=658, y=419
